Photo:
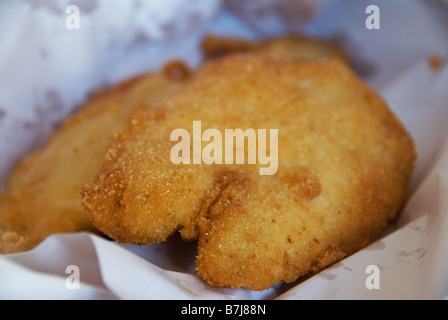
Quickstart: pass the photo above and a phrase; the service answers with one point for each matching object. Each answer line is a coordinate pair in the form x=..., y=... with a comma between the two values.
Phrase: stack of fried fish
x=344, y=164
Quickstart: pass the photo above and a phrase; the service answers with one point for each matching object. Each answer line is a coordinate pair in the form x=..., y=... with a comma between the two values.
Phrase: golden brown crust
x=42, y=194
x=214, y=46
x=345, y=162
x=293, y=46
x=47, y=202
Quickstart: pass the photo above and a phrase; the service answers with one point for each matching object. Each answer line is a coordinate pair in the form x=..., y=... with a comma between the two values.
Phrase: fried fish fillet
x=344, y=166
x=41, y=197
x=42, y=194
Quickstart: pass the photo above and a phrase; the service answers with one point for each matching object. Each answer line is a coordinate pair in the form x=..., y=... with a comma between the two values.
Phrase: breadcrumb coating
x=345, y=163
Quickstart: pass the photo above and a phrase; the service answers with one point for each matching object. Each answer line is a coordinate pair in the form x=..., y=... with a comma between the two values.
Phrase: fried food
x=294, y=46
x=42, y=194
x=344, y=166
x=47, y=201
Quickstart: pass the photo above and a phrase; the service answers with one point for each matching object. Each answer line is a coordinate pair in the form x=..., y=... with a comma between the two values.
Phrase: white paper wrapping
x=47, y=70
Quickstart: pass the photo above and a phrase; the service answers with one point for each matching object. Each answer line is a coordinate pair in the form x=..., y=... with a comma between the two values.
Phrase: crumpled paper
x=409, y=260
x=50, y=61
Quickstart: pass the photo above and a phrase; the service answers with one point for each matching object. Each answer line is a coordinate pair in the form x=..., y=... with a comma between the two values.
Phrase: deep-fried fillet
x=42, y=194
x=345, y=162
x=46, y=201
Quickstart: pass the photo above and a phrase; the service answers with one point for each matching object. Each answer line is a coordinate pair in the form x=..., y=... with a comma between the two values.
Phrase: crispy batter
x=294, y=45
x=214, y=46
x=42, y=194
x=345, y=162
x=45, y=202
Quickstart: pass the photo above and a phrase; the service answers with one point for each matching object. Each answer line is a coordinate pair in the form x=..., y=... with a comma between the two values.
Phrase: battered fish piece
x=344, y=166
x=46, y=201
x=42, y=194
x=293, y=46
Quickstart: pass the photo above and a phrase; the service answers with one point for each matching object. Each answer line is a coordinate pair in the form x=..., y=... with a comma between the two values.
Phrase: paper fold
x=411, y=254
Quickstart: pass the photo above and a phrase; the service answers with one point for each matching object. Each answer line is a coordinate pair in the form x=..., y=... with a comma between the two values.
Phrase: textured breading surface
x=344, y=166
x=46, y=200
x=293, y=46
x=42, y=193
